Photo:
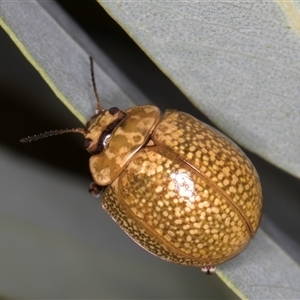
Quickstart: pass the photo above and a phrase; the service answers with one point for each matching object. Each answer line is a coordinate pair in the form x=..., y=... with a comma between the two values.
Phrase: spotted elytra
x=179, y=188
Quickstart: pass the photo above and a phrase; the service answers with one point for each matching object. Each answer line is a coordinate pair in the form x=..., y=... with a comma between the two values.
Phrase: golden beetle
x=176, y=186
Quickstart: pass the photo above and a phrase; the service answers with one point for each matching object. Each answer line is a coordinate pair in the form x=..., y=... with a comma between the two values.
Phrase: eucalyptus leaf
x=237, y=61
x=60, y=59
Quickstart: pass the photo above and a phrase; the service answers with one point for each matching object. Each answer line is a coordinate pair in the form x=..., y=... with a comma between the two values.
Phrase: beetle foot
x=95, y=189
x=208, y=270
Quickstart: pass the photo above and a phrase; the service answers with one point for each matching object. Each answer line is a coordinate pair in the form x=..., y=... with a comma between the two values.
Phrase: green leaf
x=238, y=62
x=61, y=60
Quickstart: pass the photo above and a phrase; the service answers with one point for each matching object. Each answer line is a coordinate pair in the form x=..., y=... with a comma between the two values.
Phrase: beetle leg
x=95, y=189
x=209, y=270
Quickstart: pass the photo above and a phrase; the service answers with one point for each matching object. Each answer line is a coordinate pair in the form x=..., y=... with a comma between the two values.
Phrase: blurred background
x=55, y=240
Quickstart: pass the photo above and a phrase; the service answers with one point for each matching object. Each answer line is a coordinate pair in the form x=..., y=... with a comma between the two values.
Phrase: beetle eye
x=87, y=142
x=113, y=110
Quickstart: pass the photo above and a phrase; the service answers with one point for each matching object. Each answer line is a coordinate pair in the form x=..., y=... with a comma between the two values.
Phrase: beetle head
x=100, y=128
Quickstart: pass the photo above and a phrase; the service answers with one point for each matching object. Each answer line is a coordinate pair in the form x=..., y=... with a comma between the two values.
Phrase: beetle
x=178, y=187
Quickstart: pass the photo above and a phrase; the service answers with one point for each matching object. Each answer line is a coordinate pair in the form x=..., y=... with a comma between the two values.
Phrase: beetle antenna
x=99, y=106
x=51, y=133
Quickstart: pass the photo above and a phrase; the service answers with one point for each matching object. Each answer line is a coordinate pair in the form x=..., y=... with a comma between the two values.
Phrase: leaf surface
x=238, y=62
